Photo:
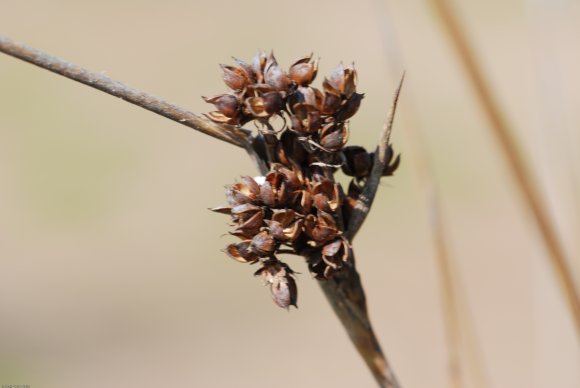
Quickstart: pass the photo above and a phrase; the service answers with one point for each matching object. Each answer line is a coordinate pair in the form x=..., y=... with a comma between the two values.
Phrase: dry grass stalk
x=503, y=135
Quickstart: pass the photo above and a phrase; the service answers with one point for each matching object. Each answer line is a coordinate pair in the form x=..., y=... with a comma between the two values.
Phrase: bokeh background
x=110, y=266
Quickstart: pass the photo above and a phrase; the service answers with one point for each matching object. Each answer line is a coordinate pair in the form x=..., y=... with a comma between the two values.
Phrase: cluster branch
x=367, y=196
x=227, y=133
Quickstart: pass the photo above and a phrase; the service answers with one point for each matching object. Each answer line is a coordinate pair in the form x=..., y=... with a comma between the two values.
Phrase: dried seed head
x=296, y=207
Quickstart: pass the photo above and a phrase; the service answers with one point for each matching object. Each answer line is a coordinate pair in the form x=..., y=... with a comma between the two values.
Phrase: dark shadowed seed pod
x=326, y=195
x=282, y=284
x=291, y=152
x=391, y=165
x=357, y=162
x=285, y=225
x=306, y=118
x=351, y=106
x=334, y=136
x=336, y=252
x=331, y=102
x=320, y=228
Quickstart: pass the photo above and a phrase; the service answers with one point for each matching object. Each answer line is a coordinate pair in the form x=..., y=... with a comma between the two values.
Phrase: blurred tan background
x=111, y=273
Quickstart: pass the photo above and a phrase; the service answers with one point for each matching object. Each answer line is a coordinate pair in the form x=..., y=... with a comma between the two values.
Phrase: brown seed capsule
x=226, y=104
x=336, y=252
x=273, y=102
x=342, y=81
x=241, y=252
x=331, y=103
x=293, y=179
x=335, y=83
x=250, y=226
x=306, y=95
x=258, y=65
x=357, y=162
x=334, y=137
x=291, y=150
x=306, y=118
x=248, y=70
x=351, y=106
x=263, y=244
x=255, y=107
x=349, y=83
x=246, y=191
x=285, y=225
x=303, y=71
x=235, y=78
x=281, y=280
x=285, y=292
x=266, y=105
x=326, y=195
x=274, y=75
x=391, y=165
x=320, y=228
x=244, y=211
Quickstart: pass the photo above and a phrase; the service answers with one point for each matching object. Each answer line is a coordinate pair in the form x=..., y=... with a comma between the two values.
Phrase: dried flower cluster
x=296, y=207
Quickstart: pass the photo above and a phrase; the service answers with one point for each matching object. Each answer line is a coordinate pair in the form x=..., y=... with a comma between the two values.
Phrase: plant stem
x=345, y=293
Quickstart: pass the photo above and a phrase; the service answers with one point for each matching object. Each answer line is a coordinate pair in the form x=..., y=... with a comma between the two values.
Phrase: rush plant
x=295, y=205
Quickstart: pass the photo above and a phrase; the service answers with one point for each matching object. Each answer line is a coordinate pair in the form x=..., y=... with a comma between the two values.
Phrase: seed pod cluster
x=297, y=207
x=262, y=89
x=286, y=211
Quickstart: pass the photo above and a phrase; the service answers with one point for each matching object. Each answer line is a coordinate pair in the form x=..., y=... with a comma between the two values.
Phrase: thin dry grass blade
x=461, y=337
x=508, y=146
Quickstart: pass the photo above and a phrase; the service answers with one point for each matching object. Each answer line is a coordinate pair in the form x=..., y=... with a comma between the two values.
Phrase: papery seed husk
x=285, y=293
x=263, y=244
x=241, y=252
x=235, y=78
